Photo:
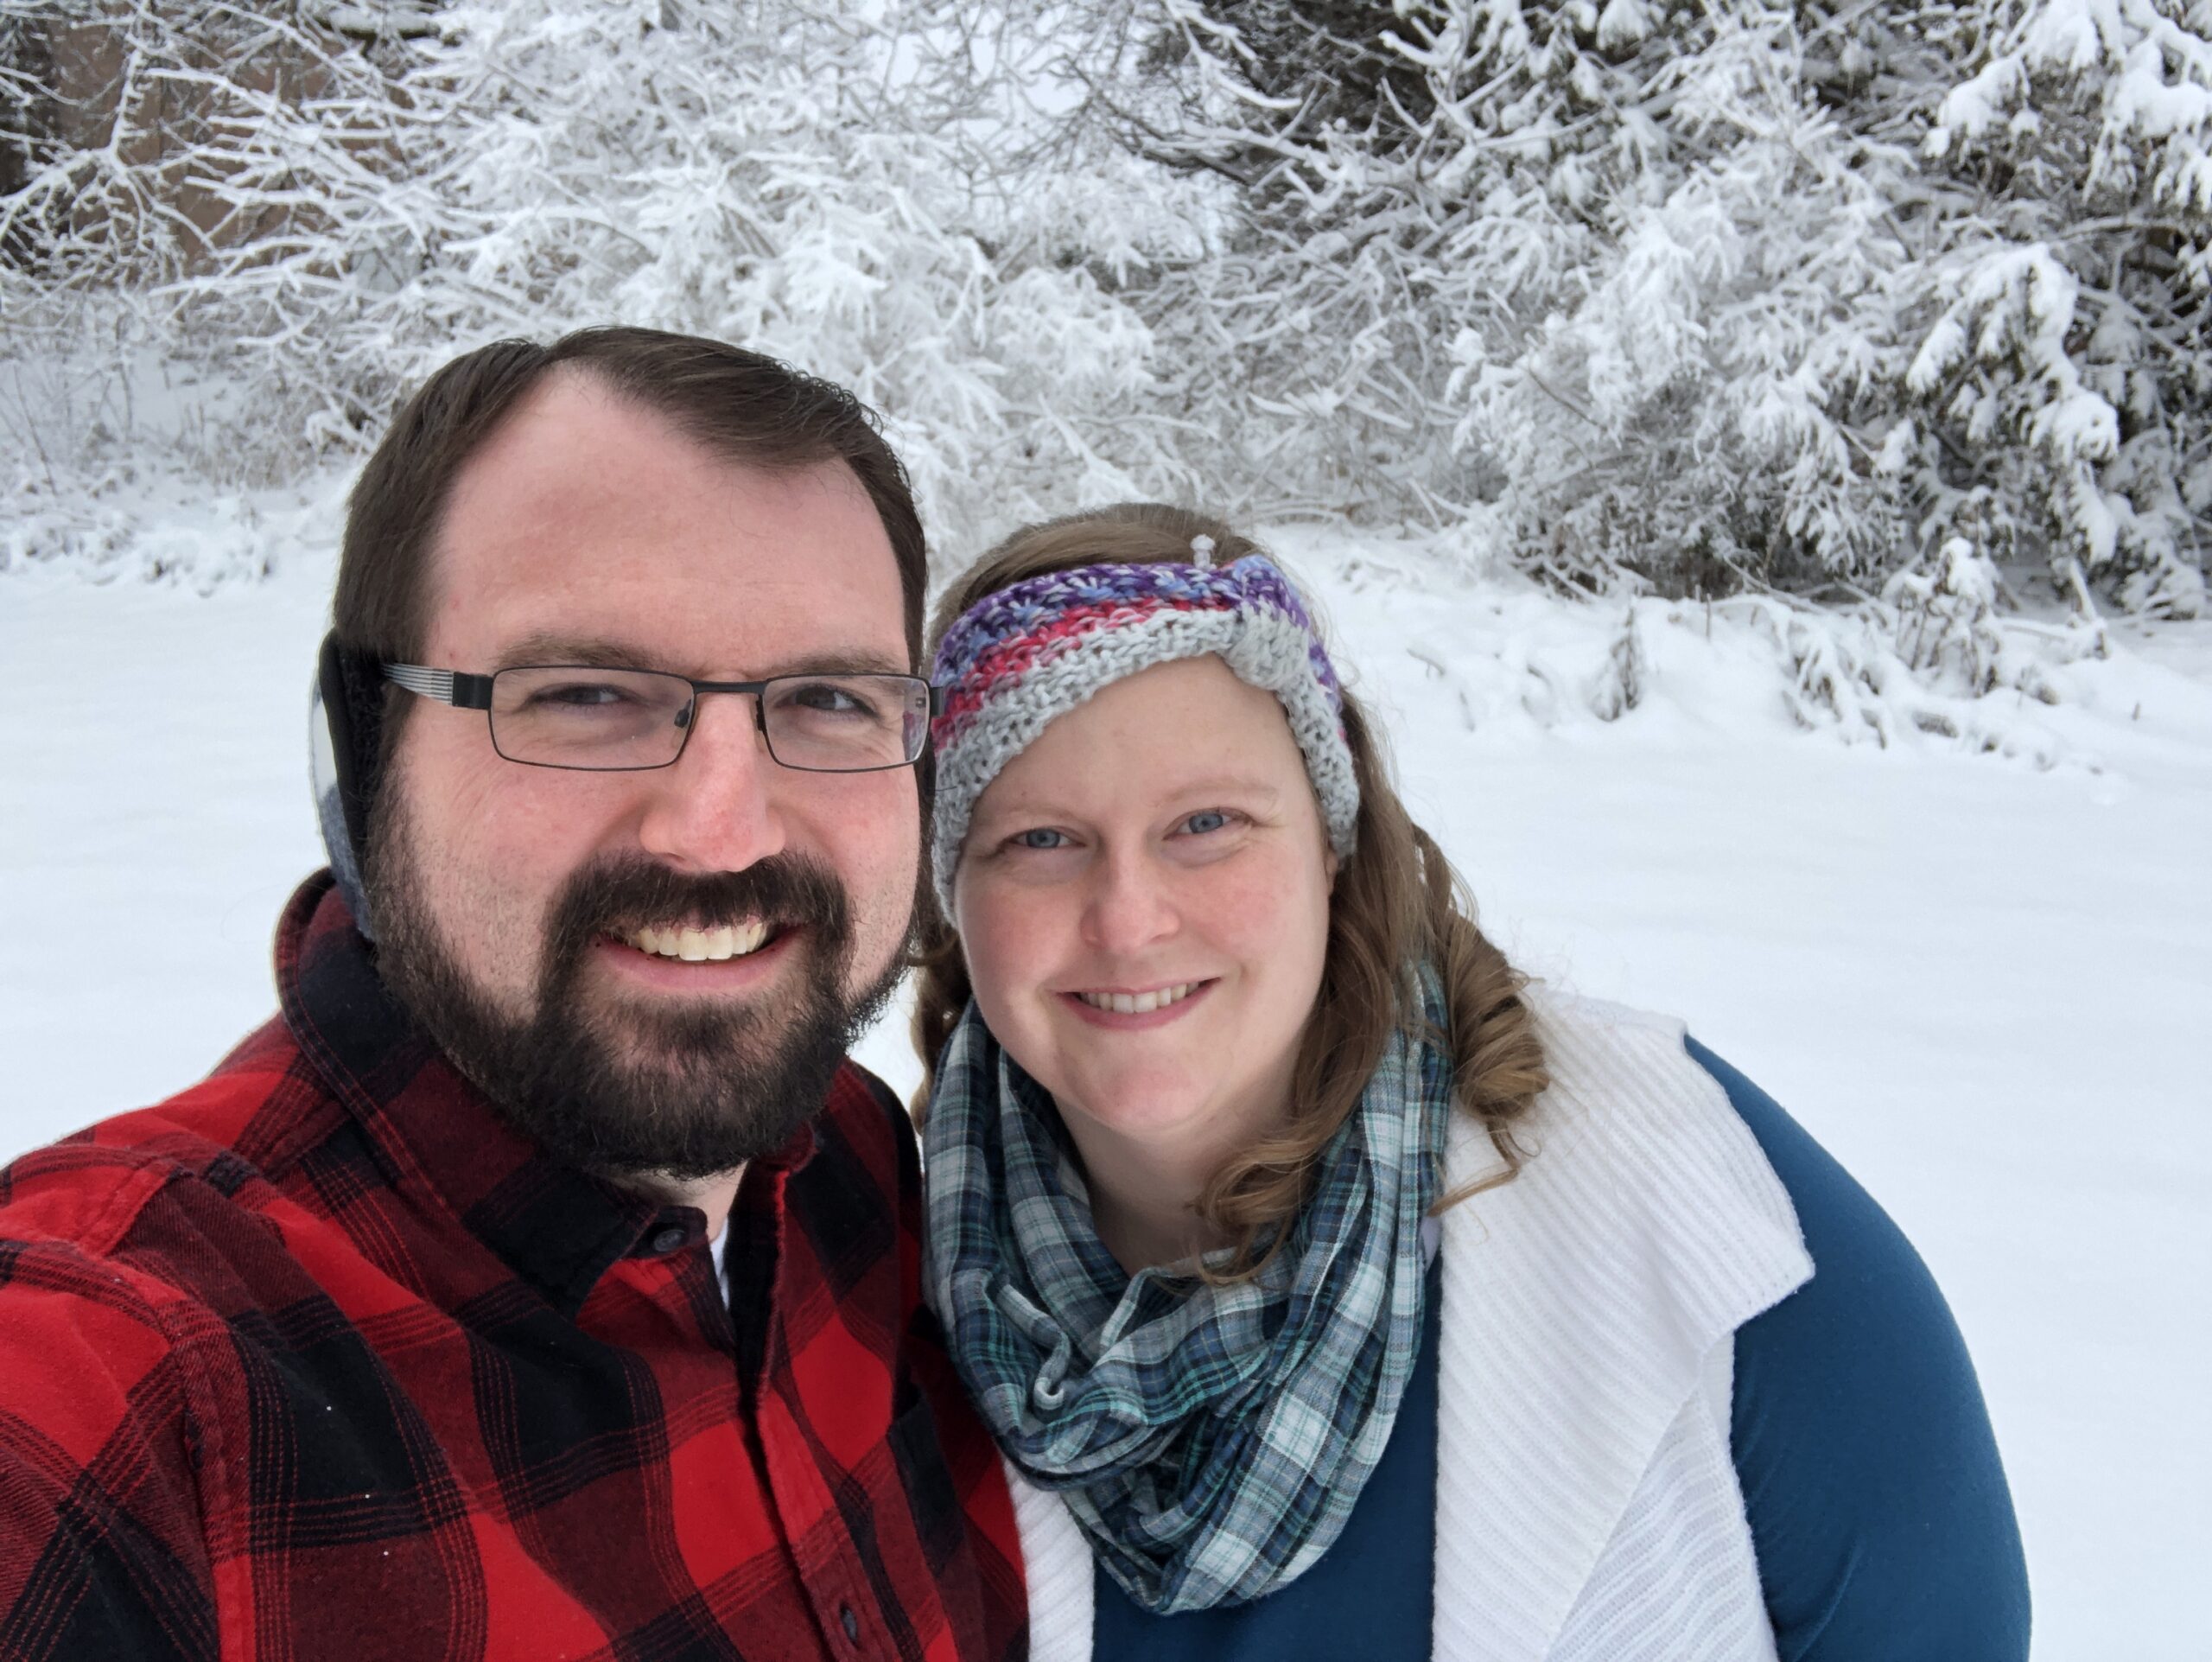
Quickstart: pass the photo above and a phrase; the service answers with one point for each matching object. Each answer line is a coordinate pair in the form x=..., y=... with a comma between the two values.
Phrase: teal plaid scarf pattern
x=1210, y=1441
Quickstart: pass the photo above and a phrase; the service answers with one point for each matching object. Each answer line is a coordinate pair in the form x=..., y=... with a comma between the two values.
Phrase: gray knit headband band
x=1020, y=658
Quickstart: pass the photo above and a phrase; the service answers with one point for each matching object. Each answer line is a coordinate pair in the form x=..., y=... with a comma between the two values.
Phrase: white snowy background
x=1983, y=984
x=1875, y=335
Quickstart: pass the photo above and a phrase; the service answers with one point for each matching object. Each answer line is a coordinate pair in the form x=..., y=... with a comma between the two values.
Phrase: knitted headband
x=1017, y=658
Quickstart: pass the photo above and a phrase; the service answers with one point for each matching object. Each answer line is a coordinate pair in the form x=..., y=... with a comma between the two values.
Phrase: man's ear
x=350, y=685
x=345, y=732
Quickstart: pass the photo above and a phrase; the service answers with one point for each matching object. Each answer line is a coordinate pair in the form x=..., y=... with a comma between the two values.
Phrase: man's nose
x=717, y=807
x=1131, y=906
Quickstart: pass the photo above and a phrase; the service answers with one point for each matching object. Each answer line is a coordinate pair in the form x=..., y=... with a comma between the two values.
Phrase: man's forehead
x=589, y=517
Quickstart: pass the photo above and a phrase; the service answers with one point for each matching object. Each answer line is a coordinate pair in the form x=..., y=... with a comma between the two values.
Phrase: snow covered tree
x=775, y=174
x=1736, y=295
x=1711, y=296
x=2071, y=364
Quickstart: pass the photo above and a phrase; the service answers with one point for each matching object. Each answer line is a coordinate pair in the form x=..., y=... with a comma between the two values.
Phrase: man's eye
x=580, y=695
x=830, y=698
x=821, y=697
x=1212, y=819
x=1039, y=837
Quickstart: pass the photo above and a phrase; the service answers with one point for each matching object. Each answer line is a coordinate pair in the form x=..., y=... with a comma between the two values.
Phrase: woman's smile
x=1122, y=1010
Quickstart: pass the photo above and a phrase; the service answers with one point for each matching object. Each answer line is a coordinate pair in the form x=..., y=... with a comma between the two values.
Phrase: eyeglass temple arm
x=453, y=687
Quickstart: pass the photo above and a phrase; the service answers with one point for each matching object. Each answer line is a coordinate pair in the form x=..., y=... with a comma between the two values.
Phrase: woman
x=1329, y=1291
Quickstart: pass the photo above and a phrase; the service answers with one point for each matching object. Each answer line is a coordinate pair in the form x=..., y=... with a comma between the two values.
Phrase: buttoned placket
x=836, y=1582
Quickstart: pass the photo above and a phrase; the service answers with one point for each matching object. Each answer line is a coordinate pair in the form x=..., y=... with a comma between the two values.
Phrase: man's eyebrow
x=597, y=652
x=546, y=647
x=857, y=661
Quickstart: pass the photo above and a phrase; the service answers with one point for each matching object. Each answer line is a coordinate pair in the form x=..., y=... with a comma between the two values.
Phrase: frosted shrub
x=1730, y=297
x=1946, y=625
x=527, y=167
x=1709, y=297
x=2074, y=357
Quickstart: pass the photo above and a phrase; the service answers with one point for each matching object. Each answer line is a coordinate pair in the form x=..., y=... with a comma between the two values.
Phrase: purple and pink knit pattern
x=1030, y=653
x=1005, y=633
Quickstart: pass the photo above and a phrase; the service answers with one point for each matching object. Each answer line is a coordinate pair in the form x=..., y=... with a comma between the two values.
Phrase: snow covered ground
x=1982, y=983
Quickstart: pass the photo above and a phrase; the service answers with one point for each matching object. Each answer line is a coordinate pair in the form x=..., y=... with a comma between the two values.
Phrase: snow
x=1982, y=983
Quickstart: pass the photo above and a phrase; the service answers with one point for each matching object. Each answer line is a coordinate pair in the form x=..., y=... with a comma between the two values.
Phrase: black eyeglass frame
x=465, y=692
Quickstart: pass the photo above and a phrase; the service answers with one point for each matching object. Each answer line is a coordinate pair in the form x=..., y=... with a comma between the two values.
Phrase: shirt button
x=851, y=1624
x=669, y=1238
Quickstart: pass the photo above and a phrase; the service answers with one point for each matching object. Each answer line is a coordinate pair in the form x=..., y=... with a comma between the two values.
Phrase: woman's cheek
x=1258, y=903
x=1012, y=929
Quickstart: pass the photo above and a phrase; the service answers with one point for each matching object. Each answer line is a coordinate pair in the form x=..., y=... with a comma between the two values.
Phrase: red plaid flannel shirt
x=318, y=1361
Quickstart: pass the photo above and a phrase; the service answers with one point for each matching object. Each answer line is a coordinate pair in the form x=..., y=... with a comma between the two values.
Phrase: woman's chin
x=1139, y=1108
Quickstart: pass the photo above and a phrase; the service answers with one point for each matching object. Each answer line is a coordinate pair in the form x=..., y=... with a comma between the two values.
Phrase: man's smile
x=684, y=958
x=696, y=945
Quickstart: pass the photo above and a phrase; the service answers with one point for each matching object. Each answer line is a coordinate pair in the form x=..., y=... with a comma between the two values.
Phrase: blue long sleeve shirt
x=1878, y=1505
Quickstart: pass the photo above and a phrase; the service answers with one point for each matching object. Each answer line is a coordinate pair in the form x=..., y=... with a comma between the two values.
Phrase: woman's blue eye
x=1211, y=820
x=1039, y=837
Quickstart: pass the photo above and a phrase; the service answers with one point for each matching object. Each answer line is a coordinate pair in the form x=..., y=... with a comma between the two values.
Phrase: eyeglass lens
x=609, y=719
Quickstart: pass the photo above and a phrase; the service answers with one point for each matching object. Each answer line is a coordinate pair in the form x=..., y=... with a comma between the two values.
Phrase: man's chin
x=624, y=1062
x=685, y=1091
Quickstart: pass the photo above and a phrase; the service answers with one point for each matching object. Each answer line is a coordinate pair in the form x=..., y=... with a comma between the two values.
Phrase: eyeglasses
x=621, y=721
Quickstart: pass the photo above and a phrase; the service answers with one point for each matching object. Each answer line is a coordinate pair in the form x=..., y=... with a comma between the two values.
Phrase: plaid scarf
x=1209, y=1440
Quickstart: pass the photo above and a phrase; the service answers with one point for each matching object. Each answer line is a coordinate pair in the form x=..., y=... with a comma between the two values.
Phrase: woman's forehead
x=1168, y=730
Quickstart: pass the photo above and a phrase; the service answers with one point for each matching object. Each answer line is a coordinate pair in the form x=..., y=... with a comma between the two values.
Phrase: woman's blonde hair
x=1395, y=901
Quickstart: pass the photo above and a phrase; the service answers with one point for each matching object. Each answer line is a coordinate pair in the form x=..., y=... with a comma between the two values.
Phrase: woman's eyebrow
x=1234, y=784
x=1263, y=793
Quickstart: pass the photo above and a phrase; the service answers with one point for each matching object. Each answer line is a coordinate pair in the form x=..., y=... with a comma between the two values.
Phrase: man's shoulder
x=862, y=1110
x=90, y=1189
x=855, y=1192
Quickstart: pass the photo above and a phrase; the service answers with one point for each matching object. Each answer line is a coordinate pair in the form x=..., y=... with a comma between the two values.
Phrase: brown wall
x=112, y=67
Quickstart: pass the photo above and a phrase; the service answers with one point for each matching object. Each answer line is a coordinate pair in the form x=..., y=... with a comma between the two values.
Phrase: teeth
x=1138, y=1003
x=700, y=946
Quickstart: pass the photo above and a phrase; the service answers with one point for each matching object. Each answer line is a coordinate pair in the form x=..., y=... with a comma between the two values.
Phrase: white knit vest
x=1587, y=1504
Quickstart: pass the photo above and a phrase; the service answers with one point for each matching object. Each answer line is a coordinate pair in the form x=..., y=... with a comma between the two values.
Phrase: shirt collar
x=552, y=1224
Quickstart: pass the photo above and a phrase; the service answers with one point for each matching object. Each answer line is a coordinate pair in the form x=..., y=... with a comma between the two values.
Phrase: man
x=542, y=1282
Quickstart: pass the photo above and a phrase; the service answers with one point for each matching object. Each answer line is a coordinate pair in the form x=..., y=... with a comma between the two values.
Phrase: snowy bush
x=392, y=198
x=2073, y=359
x=1638, y=296
x=1715, y=296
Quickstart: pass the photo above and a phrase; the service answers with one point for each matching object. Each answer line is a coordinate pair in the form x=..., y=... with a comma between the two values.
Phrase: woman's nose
x=1131, y=906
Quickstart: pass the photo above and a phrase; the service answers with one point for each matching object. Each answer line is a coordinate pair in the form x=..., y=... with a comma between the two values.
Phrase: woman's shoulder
x=1596, y=1049
x=1631, y=1112
x=1669, y=1197
x=1870, y=1472
x=1631, y=1156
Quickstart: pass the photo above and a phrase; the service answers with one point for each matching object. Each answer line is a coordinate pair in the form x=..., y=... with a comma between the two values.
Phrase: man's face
x=517, y=906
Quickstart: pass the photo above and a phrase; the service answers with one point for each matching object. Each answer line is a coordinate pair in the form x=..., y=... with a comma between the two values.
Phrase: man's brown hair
x=741, y=404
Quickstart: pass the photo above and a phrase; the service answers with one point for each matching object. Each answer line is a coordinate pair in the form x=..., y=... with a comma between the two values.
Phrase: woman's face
x=1143, y=898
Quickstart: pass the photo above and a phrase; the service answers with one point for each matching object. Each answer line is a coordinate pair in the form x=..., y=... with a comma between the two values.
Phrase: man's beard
x=687, y=1091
